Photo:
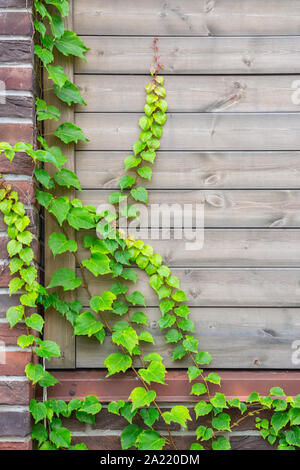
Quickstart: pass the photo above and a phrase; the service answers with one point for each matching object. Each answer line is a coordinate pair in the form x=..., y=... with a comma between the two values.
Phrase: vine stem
x=87, y=289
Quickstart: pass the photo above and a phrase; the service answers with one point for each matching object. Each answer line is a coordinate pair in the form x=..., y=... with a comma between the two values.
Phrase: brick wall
x=106, y=434
x=16, y=124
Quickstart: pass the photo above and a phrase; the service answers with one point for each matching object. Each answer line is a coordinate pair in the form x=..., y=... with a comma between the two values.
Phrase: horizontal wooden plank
x=15, y=50
x=227, y=248
x=17, y=78
x=221, y=287
x=16, y=23
x=188, y=18
x=118, y=387
x=195, y=170
x=180, y=55
x=222, y=208
x=211, y=131
x=189, y=93
x=244, y=338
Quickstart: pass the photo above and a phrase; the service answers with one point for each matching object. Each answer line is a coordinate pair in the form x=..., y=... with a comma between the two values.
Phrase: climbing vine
x=113, y=253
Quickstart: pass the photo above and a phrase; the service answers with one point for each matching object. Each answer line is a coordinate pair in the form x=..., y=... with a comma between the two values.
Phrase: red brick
x=15, y=423
x=10, y=335
x=17, y=106
x=16, y=23
x=22, y=164
x=15, y=363
x=15, y=132
x=17, y=78
x=114, y=443
x=15, y=393
x=25, y=189
x=15, y=3
x=99, y=442
x=14, y=50
x=249, y=443
x=26, y=445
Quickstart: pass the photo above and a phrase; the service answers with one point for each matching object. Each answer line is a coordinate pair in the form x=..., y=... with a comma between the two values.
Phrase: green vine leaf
x=61, y=437
x=178, y=414
x=125, y=336
x=221, y=443
x=38, y=410
x=86, y=324
x=136, y=298
x=129, y=436
x=150, y=440
x=68, y=132
x=141, y=397
x=65, y=278
x=117, y=362
x=68, y=93
x=98, y=264
x=139, y=318
x=203, y=408
x=71, y=44
x=155, y=372
x=46, y=112
x=221, y=422
x=43, y=54
x=35, y=321
x=14, y=315
x=140, y=194
x=198, y=389
x=102, y=302
x=57, y=74
x=67, y=178
x=59, y=243
x=47, y=349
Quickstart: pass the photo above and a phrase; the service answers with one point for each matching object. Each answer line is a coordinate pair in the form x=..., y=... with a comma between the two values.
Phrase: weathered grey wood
x=226, y=93
x=221, y=287
x=188, y=17
x=243, y=338
x=212, y=131
x=57, y=328
x=192, y=55
x=222, y=208
x=192, y=170
x=225, y=247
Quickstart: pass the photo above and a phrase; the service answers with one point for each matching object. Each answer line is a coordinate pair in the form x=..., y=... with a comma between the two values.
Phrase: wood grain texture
x=195, y=170
x=221, y=287
x=58, y=328
x=225, y=247
x=189, y=93
x=188, y=18
x=234, y=55
x=211, y=131
x=248, y=338
x=222, y=208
